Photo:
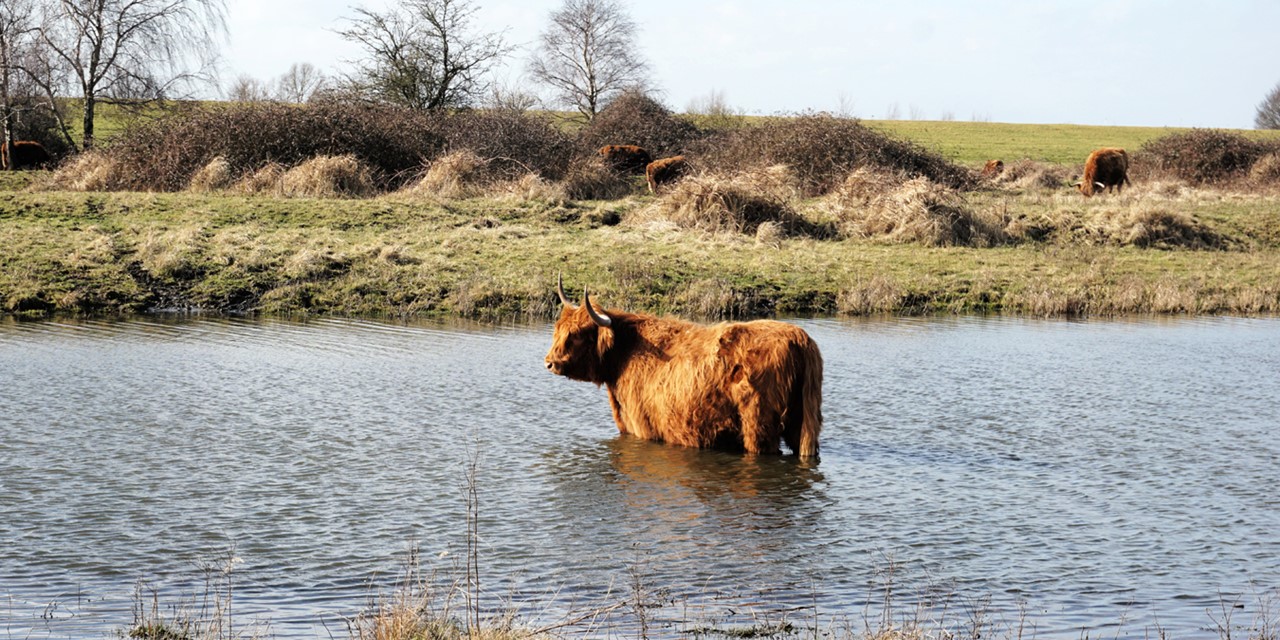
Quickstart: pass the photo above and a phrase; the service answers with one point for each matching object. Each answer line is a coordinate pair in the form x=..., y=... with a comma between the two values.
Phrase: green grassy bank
x=498, y=258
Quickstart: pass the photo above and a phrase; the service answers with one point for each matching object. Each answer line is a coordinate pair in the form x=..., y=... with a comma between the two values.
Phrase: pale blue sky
x=1123, y=62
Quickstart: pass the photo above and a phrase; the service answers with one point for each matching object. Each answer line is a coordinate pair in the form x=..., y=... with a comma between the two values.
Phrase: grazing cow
x=993, y=168
x=743, y=386
x=660, y=172
x=26, y=153
x=1105, y=168
x=625, y=157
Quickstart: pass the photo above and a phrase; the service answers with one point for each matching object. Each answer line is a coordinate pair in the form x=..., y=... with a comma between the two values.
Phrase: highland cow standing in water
x=1105, y=168
x=742, y=386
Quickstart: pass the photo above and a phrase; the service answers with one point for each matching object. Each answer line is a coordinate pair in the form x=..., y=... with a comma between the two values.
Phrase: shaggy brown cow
x=993, y=168
x=1105, y=168
x=26, y=153
x=625, y=157
x=743, y=386
x=660, y=172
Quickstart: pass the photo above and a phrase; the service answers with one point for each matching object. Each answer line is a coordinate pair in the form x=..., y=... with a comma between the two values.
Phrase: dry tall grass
x=329, y=177
x=736, y=203
x=268, y=179
x=589, y=178
x=92, y=171
x=889, y=206
x=214, y=176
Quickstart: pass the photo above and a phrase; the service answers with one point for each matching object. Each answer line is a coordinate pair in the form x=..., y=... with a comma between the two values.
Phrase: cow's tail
x=805, y=411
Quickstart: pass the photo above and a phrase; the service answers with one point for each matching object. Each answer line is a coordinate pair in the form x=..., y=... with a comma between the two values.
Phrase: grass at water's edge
x=497, y=259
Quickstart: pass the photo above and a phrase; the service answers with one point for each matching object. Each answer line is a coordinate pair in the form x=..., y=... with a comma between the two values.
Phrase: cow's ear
x=604, y=340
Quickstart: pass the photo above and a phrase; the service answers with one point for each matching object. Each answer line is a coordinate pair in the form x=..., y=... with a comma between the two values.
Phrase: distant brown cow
x=666, y=170
x=1105, y=168
x=993, y=168
x=625, y=157
x=743, y=386
x=26, y=153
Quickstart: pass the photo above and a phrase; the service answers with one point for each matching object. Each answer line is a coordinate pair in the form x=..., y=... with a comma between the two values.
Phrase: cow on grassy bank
x=665, y=171
x=1105, y=168
x=742, y=386
x=25, y=154
x=627, y=158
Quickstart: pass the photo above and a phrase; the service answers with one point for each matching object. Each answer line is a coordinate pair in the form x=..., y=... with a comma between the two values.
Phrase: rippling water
x=1093, y=477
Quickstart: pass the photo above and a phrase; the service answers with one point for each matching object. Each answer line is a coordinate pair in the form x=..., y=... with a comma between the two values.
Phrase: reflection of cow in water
x=743, y=386
x=25, y=154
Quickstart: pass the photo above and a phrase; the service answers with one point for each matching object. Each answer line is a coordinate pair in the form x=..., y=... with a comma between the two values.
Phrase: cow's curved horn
x=560, y=290
x=599, y=318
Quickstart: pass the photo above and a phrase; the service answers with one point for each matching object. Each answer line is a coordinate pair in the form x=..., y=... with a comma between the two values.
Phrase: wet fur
x=738, y=386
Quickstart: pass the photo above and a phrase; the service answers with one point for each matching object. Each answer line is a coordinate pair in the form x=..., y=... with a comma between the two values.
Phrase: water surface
x=1110, y=478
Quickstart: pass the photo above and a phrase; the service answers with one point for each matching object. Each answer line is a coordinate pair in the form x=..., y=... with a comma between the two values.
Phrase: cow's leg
x=759, y=426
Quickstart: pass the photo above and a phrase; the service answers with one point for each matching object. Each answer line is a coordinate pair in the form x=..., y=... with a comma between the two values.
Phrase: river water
x=1100, y=478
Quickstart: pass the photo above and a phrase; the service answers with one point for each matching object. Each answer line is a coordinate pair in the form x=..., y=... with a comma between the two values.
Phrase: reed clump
x=889, y=206
x=736, y=203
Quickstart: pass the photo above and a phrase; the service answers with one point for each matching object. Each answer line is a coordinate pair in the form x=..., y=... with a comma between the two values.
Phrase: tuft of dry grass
x=1152, y=227
x=589, y=178
x=736, y=203
x=884, y=205
x=1266, y=171
x=460, y=174
x=329, y=177
x=1029, y=174
x=268, y=179
x=91, y=171
x=214, y=176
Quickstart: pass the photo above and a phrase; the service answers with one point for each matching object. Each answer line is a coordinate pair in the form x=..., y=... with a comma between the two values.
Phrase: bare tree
x=246, y=88
x=130, y=50
x=588, y=54
x=423, y=54
x=16, y=29
x=1269, y=111
x=299, y=83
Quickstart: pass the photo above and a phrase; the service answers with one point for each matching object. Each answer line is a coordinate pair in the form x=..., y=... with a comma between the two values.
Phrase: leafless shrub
x=879, y=204
x=589, y=178
x=1203, y=156
x=512, y=142
x=822, y=150
x=635, y=118
x=165, y=153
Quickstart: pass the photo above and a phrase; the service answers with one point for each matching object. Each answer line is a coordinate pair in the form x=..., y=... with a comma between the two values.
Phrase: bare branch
x=423, y=54
x=587, y=54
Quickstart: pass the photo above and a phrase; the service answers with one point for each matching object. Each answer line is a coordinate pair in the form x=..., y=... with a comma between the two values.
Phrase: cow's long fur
x=1105, y=168
x=26, y=153
x=625, y=157
x=660, y=172
x=744, y=386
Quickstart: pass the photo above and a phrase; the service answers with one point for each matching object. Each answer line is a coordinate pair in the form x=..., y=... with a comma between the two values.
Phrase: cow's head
x=1088, y=190
x=582, y=339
